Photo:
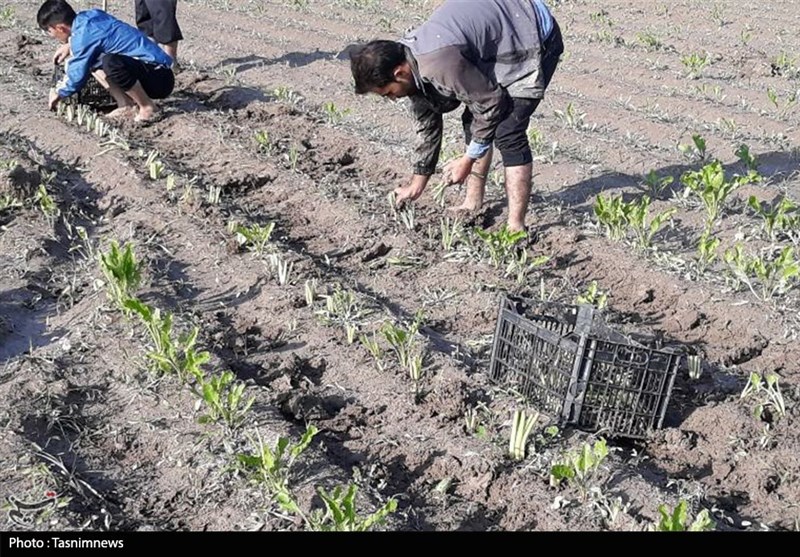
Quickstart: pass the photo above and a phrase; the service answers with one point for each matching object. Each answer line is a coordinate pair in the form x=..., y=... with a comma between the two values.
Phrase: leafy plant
x=122, y=272
x=593, y=296
x=9, y=202
x=638, y=219
x=263, y=142
x=500, y=243
x=677, y=520
x=255, y=237
x=402, y=340
x=781, y=216
x=694, y=64
x=334, y=114
x=343, y=308
x=613, y=214
x=707, y=250
x=774, y=276
x=746, y=158
x=580, y=468
x=571, y=117
x=374, y=348
x=155, y=168
x=657, y=184
x=697, y=150
x=272, y=467
x=521, y=265
x=710, y=185
x=46, y=203
x=521, y=427
x=340, y=513
x=767, y=394
x=169, y=355
x=224, y=398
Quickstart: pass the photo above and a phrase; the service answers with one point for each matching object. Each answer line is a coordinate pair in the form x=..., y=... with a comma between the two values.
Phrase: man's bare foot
x=146, y=114
x=122, y=113
x=467, y=208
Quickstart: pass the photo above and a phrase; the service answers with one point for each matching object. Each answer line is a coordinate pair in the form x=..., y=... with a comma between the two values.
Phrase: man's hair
x=373, y=64
x=53, y=12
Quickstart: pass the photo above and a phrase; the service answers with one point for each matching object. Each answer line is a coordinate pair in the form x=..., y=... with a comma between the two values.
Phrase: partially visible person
x=158, y=20
x=132, y=67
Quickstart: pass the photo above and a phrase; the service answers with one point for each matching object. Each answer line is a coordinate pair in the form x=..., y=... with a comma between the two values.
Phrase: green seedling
x=293, y=157
x=472, y=423
x=500, y=243
x=122, y=272
x=677, y=520
x=7, y=17
x=281, y=268
x=613, y=214
x=408, y=215
x=696, y=151
x=694, y=64
x=746, y=158
x=254, y=237
x=340, y=513
x=707, y=251
x=169, y=355
x=332, y=113
x=402, y=340
x=521, y=428
x=593, y=296
x=781, y=216
x=263, y=142
x=657, y=185
x=374, y=348
x=8, y=201
x=272, y=467
x=774, y=276
x=570, y=117
x=224, y=399
x=649, y=40
x=439, y=191
x=521, y=265
x=580, y=468
x=710, y=185
x=284, y=94
x=638, y=216
x=770, y=404
x=46, y=203
x=343, y=308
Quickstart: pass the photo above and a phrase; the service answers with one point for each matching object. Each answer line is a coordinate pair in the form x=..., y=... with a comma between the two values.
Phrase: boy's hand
x=62, y=53
x=52, y=101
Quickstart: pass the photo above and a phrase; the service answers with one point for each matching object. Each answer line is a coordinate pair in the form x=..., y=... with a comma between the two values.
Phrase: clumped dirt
x=112, y=446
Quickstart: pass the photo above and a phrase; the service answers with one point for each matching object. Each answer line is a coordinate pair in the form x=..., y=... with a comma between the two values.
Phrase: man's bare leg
x=476, y=186
x=518, y=189
x=125, y=104
x=172, y=50
x=147, y=109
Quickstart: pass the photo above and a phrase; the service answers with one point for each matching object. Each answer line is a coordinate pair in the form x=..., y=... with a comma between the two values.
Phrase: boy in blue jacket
x=132, y=67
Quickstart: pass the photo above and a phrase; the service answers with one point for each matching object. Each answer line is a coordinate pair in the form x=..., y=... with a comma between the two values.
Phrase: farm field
x=257, y=213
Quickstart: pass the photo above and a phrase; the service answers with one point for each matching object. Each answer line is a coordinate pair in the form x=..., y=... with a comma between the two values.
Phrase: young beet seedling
x=677, y=520
x=340, y=513
x=224, y=398
x=521, y=428
x=122, y=272
x=272, y=467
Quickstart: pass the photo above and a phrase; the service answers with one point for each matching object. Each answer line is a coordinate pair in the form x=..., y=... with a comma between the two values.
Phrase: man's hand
x=62, y=53
x=411, y=191
x=455, y=172
x=52, y=101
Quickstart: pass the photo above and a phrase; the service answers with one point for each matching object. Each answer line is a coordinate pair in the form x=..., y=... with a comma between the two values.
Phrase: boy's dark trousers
x=123, y=71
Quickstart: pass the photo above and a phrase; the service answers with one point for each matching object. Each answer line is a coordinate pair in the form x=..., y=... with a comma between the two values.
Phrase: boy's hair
x=373, y=64
x=53, y=12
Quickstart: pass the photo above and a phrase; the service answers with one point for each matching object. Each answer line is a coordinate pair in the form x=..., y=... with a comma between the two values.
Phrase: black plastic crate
x=578, y=371
x=91, y=94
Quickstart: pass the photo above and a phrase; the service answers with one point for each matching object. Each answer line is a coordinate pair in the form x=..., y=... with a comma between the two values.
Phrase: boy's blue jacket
x=95, y=33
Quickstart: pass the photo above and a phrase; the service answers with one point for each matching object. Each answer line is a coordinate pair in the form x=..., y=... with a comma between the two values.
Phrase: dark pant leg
x=144, y=21
x=164, y=21
x=124, y=72
x=512, y=133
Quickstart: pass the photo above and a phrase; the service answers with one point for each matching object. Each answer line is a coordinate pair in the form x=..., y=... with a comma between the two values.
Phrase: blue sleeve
x=85, y=51
x=477, y=150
